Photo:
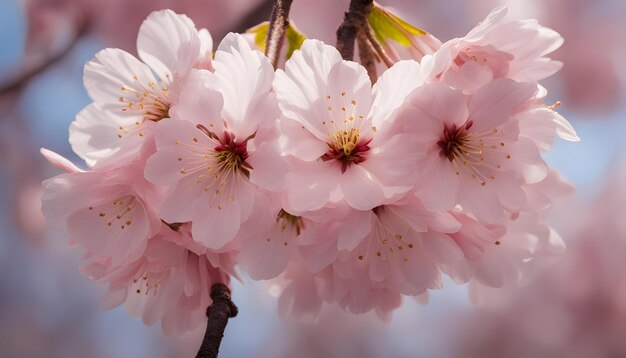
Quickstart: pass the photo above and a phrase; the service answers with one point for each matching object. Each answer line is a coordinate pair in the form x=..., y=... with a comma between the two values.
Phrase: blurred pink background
x=575, y=307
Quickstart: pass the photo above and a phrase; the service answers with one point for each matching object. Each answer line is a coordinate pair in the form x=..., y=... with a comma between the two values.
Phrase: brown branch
x=30, y=73
x=354, y=21
x=279, y=22
x=218, y=314
x=367, y=56
x=380, y=51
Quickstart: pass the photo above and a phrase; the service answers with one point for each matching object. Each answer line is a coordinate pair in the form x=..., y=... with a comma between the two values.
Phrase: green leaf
x=294, y=37
x=260, y=34
x=388, y=26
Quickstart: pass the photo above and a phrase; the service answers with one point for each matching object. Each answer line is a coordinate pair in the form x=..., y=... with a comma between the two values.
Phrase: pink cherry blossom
x=340, y=148
x=268, y=241
x=401, y=248
x=220, y=145
x=509, y=260
x=476, y=153
x=130, y=96
x=504, y=49
x=109, y=212
x=303, y=294
x=339, y=191
x=168, y=283
x=552, y=315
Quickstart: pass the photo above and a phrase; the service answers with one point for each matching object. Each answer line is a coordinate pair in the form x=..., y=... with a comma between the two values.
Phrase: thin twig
x=218, y=314
x=279, y=22
x=30, y=73
x=380, y=51
x=354, y=21
x=367, y=56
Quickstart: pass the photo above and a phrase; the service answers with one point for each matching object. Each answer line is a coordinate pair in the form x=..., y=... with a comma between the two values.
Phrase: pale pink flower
x=541, y=195
x=220, y=145
x=357, y=297
x=303, y=294
x=473, y=240
x=574, y=307
x=476, y=154
x=130, y=96
x=508, y=260
x=168, y=283
x=341, y=149
x=109, y=212
x=268, y=241
x=504, y=49
x=399, y=246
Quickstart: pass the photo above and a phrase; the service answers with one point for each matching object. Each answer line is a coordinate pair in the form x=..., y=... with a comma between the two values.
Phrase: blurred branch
x=380, y=51
x=29, y=73
x=279, y=22
x=218, y=314
x=354, y=21
x=367, y=56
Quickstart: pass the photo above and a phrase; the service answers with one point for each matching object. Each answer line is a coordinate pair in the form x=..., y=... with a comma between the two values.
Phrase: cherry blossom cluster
x=341, y=191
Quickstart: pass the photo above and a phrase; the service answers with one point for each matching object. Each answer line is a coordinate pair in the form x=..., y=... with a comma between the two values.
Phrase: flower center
x=488, y=56
x=119, y=213
x=347, y=147
x=287, y=220
x=148, y=99
x=478, y=154
x=148, y=282
x=391, y=239
x=231, y=155
x=454, y=140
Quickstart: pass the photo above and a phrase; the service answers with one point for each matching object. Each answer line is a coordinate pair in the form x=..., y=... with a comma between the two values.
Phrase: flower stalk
x=279, y=22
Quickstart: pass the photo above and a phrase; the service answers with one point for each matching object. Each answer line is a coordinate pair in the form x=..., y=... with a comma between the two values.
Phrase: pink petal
x=360, y=189
x=244, y=74
x=496, y=102
x=269, y=167
x=354, y=229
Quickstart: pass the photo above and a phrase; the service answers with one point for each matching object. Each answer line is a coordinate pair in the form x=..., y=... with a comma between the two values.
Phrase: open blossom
x=130, y=95
x=400, y=248
x=476, y=154
x=302, y=294
x=503, y=49
x=220, y=145
x=339, y=149
x=269, y=240
x=168, y=283
x=109, y=212
x=342, y=192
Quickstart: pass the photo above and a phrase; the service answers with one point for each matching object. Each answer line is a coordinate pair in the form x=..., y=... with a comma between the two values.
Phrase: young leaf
x=294, y=37
x=388, y=26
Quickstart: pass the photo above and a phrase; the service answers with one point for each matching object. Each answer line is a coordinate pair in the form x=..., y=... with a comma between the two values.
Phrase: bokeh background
x=574, y=307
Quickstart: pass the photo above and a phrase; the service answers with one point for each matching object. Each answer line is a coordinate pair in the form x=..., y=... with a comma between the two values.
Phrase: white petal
x=392, y=88
x=168, y=43
x=60, y=161
x=109, y=70
x=96, y=136
x=246, y=77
